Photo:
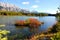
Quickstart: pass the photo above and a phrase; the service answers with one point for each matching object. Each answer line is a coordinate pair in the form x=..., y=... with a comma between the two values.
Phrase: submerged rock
x=31, y=22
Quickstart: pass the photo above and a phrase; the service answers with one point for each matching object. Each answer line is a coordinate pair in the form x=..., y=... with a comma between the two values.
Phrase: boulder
x=31, y=22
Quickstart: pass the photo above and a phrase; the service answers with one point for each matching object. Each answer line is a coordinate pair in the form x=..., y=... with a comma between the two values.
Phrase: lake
x=9, y=21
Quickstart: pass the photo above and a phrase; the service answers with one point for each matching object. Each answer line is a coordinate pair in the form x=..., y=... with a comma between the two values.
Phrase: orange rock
x=20, y=22
x=31, y=22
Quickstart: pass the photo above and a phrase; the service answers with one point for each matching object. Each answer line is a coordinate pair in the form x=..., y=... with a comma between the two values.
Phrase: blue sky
x=49, y=6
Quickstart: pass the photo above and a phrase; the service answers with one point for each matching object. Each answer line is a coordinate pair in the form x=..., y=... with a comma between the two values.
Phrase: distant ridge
x=8, y=7
x=11, y=7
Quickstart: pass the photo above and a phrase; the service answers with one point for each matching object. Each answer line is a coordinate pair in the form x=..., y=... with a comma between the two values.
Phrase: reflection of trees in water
x=58, y=18
x=34, y=30
x=26, y=34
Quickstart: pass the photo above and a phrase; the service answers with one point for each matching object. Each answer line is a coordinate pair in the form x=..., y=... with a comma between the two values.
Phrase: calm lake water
x=9, y=21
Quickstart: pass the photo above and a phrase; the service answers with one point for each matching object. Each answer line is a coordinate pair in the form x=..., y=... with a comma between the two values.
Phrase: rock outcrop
x=31, y=22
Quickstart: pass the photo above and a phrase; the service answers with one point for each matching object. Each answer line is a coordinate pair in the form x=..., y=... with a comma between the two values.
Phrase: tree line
x=11, y=13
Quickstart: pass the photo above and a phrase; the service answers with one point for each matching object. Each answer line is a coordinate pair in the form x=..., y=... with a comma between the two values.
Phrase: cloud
x=49, y=11
x=25, y=2
x=35, y=6
x=52, y=12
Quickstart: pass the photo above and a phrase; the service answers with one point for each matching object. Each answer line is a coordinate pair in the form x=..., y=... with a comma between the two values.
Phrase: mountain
x=8, y=7
x=11, y=7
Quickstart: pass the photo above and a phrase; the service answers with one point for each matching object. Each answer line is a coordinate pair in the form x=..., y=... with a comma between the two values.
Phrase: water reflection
x=25, y=31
